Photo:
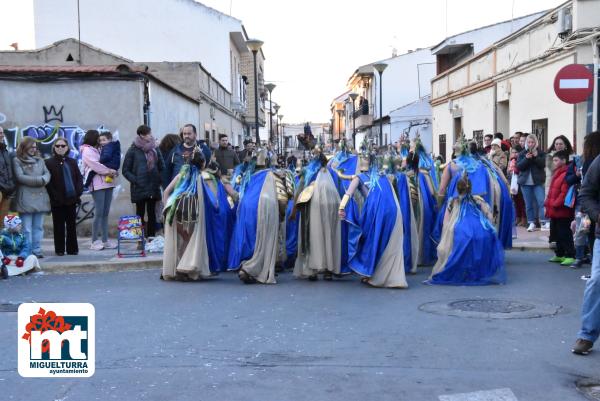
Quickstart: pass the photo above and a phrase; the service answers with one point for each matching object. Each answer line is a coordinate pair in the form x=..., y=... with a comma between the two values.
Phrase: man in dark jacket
x=7, y=179
x=180, y=154
x=225, y=156
x=248, y=148
x=589, y=196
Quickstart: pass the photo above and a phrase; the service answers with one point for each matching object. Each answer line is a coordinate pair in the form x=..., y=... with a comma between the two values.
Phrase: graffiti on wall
x=51, y=114
x=46, y=134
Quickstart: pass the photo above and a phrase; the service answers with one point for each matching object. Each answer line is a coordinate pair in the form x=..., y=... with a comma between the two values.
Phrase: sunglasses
x=60, y=146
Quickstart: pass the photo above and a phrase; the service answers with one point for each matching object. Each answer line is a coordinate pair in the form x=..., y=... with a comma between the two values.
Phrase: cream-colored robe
x=325, y=252
x=189, y=257
x=261, y=266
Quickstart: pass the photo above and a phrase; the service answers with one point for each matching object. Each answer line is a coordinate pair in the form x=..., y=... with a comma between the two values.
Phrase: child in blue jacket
x=110, y=156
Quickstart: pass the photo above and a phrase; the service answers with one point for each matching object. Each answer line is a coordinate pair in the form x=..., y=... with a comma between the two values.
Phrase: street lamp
x=340, y=113
x=254, y=45
x=380, y=67
x=280, y=144
x=276, y=107
x=353, y=96
x=270, y=88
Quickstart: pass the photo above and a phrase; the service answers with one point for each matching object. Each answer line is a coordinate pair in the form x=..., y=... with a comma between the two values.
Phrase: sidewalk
x=526, y=241
x=89, y=261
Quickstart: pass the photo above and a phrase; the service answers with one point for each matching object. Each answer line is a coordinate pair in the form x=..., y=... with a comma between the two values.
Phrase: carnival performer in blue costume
x=346, y=163
x=486, y=180
x=421, y=170
x=190, y=230
x=219, y=215
x=469, y=252
x=319, y=228
x=255, y=243
x=374, y=252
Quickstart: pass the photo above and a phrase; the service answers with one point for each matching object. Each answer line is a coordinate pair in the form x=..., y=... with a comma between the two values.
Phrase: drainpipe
x=146, y=107
x=595, y=100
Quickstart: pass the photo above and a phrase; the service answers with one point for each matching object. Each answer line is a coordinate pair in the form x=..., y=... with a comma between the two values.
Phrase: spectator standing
x=523, y=139
x=532, y=176
x=497, y=156
x=181, y=153
x=505, y=145
x=225, y=156
x=143, y=167
x=584, y=228
x=559, y=143
x=560, y=215
x=291, y=162
x=514, y=140
x=487, y=143
x=110, y=156
x=64, y=189
x=31, y=200
x=589, y=196
x=167, y=144
x=101, y=187
x=518, y=196
x=248, y=148
x=7, y=179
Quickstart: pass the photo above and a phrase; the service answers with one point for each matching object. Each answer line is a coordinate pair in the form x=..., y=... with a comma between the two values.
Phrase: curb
x=113, y=265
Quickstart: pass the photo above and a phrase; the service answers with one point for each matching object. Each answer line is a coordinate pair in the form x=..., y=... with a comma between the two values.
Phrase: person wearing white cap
x=15, y=249
x=497, y=156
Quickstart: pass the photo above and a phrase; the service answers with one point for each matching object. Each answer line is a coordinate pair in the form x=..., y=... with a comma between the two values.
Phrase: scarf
x=148, y=146
x=68, y=180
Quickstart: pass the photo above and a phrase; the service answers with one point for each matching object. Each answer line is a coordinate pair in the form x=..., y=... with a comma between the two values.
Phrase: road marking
x=501, y=394
x=574, y=84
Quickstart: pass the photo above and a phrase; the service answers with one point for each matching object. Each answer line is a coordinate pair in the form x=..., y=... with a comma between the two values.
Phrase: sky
x=312, y=47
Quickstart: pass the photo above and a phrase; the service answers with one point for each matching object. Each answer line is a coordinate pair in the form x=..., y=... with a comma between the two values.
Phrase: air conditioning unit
x=564, y=22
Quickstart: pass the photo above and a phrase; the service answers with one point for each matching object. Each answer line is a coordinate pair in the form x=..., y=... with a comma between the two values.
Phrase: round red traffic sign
x=574, y=83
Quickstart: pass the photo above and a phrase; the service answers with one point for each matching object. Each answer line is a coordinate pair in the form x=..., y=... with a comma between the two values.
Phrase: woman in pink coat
x=100, y=187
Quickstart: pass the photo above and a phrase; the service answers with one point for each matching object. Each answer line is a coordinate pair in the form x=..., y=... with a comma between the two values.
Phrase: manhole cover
x=589, y=388
x=490, y=308
x=9, y=307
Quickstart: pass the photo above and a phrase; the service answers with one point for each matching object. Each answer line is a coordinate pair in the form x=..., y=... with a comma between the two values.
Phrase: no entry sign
x=574, y=83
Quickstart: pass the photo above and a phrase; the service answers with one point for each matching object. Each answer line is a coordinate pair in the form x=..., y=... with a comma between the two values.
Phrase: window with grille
x=478, y=137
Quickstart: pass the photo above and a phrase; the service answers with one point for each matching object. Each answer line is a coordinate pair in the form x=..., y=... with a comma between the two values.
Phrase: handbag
x=571, y=197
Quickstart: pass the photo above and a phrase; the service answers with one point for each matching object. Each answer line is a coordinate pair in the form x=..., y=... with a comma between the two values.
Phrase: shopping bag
x=571, y=197
x=514, y=184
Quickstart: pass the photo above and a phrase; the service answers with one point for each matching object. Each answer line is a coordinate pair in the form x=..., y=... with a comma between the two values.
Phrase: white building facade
x=166, y=30
x=509, y=86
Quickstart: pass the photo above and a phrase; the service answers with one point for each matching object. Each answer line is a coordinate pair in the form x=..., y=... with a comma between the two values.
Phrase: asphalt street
x=300, y=340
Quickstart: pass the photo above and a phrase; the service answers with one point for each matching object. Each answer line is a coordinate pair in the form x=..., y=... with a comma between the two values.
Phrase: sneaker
x=567, y=261
x=546, y=226
x=556, y=259
x=586, y=277
x=97, y=246
x=531, y=227
x=110, y=245
x=582, y=347
x=577, y=264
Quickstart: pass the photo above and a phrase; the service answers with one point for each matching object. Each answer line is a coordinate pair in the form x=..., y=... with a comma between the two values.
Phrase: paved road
x=298, y=340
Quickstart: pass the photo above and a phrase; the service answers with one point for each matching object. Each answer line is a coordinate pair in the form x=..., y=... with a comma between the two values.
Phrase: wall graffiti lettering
x=51, y=114
x=46, y=134
x=85, y=211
